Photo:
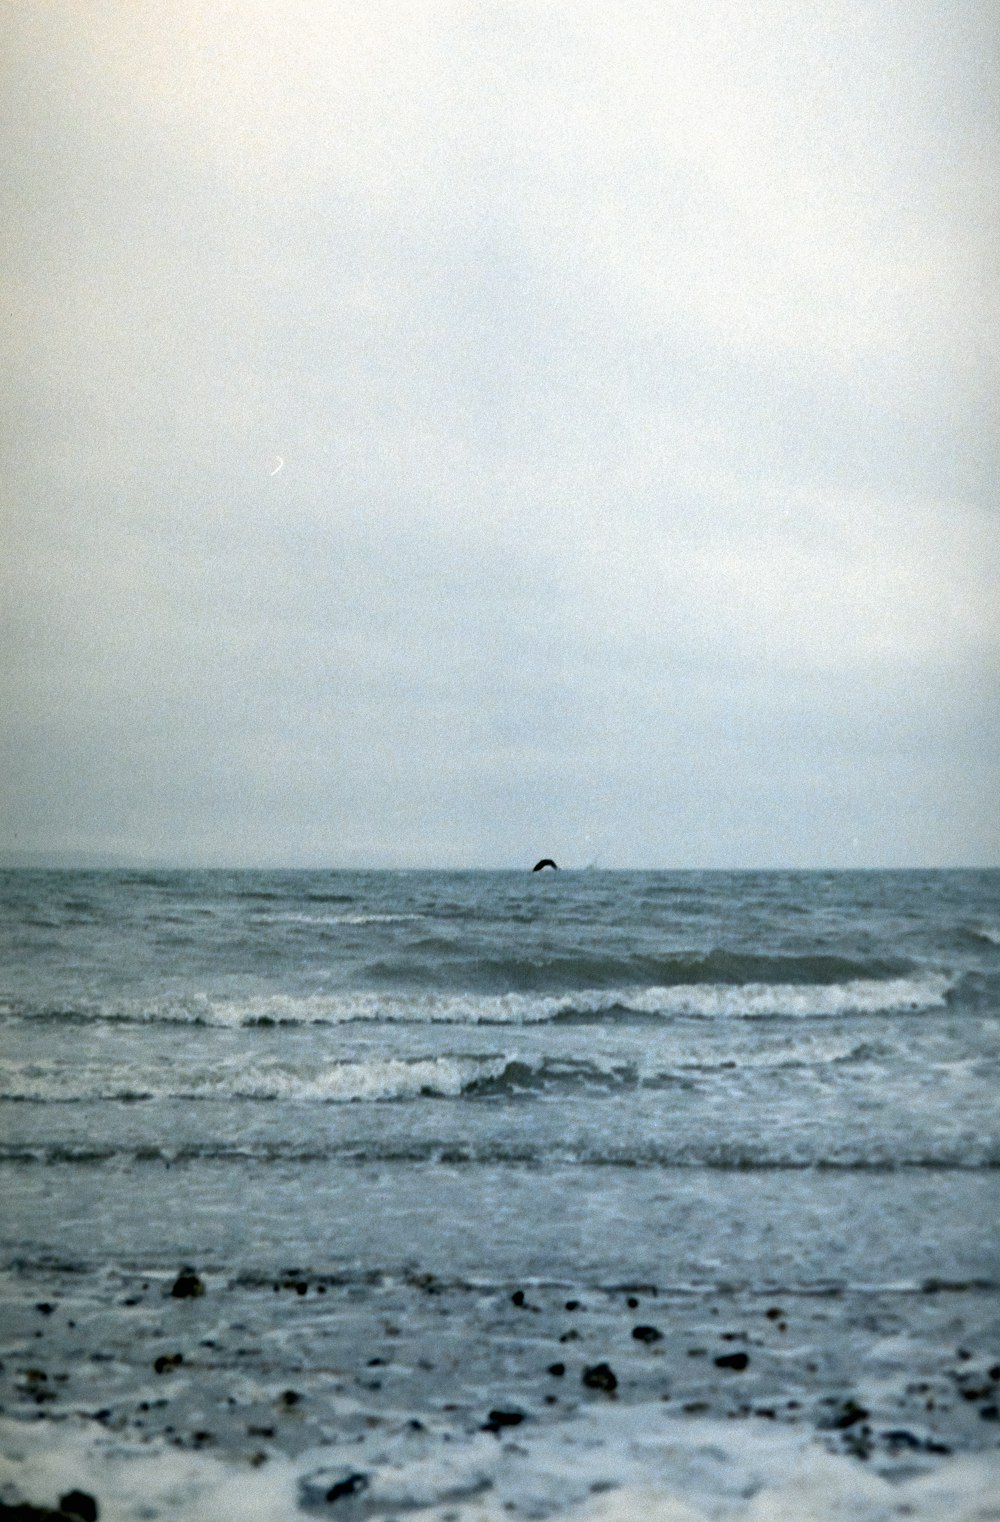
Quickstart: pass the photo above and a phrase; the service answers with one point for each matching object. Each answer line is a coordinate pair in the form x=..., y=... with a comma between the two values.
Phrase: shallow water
x=756, y=1113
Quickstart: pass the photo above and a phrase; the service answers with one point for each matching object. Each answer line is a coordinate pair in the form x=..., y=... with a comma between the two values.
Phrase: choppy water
x=422, y=1093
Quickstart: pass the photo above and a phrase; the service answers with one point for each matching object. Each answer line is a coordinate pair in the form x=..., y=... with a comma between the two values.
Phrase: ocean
x=455, y=1196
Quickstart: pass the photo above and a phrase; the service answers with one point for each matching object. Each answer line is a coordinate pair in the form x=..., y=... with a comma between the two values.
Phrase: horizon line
x=82, y=861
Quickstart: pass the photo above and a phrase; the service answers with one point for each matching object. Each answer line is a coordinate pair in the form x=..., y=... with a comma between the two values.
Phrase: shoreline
x=366, y=1395
x=608, y=1466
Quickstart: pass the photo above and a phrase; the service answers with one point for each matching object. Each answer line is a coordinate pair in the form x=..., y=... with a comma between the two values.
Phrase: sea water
x=597, y=1194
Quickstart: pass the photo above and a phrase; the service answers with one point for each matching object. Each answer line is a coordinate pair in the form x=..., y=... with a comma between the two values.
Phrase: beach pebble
x=187, y=1285
x=498, y=1419
x=647, y=1334
x=899, y=1437
x=315, y=1489
x=78, y=1503
x=600, y=1376
x=848, y=1414
x=737, y=1361
x=349, y=1486
x=74, y=1506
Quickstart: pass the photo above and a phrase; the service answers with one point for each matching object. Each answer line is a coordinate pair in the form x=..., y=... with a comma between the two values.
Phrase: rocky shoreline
x=379, y=1369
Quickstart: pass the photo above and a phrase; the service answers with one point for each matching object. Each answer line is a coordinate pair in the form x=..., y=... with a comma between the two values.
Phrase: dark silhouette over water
x=546, y=861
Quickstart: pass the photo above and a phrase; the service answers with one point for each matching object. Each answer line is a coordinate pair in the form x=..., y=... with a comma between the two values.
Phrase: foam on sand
x=614, y=1465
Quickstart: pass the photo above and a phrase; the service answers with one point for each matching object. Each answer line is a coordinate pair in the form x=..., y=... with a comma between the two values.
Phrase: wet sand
x=375, y=1393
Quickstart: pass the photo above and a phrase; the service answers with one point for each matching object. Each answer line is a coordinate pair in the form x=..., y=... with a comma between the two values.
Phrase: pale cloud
x=633, y=367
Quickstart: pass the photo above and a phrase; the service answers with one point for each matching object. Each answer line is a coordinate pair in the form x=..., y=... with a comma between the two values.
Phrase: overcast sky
x=446, y=433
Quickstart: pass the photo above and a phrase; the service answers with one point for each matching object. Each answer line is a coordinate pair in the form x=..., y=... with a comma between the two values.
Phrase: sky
x=444, y=433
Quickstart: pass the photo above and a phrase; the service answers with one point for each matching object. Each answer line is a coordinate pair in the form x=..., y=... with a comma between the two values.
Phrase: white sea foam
x=694, y=1000
x=733, y=1001
x=867, y=996
x=337, y=1082
x=630, y=1464
x=386, y=1078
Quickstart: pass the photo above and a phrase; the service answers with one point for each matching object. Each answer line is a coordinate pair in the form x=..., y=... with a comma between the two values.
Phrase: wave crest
x=340, y=1082
x=736, y=1001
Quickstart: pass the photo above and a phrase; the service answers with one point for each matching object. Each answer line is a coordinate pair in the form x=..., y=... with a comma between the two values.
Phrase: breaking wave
x=743, y=1001
x=340, y=1082
x=448, y=1076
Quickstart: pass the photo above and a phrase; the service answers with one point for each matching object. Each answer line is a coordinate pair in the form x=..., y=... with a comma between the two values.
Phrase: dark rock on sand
x=737, y=1361
x=498, y=1419
x=74, y=1506
x=351, y=1485
x=317, y=1490
x=557, y=1369
x=647, y=1334
x=899, y=1437
x=600, y=1376
x=187, y=1285
x=848, y=1414
x=974, y=1392
x=77, y=1503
